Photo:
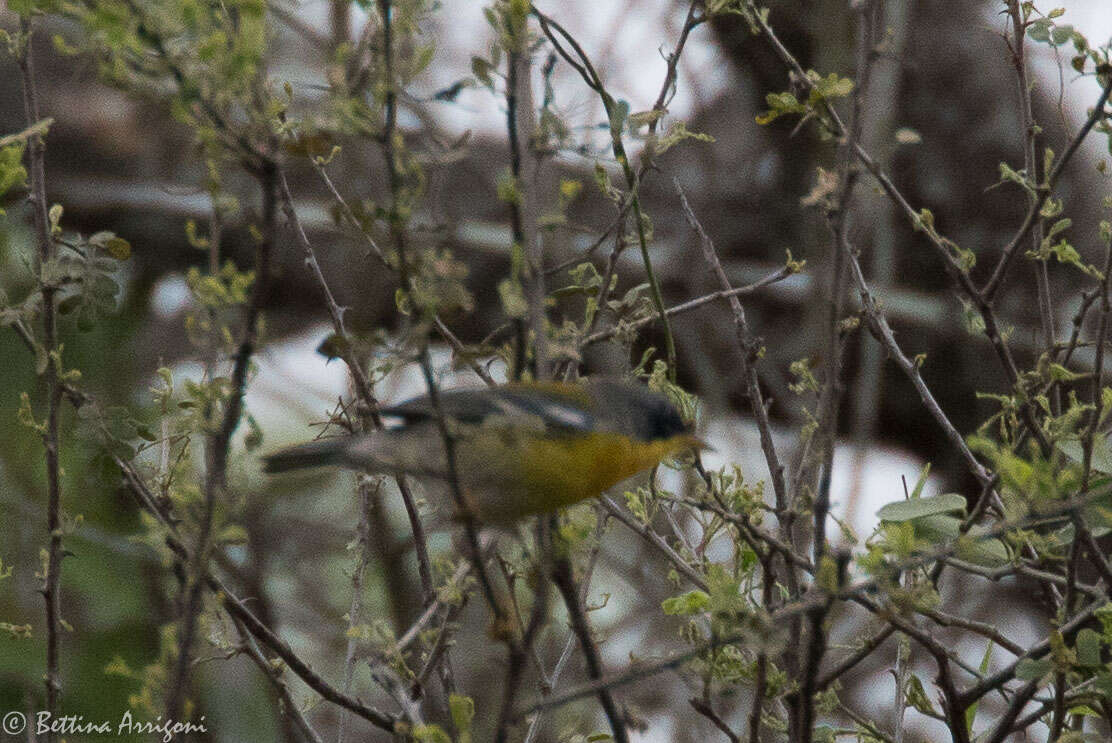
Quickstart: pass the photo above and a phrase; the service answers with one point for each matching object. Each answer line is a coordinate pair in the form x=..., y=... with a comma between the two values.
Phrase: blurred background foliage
x=943, y=116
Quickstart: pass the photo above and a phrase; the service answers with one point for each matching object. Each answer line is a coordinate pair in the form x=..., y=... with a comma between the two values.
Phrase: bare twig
x=565, y=582
x=867, y=647
x=750, y=350
x=219, y=444
x=359, y=378
x=692, y=304
x=520, y=651
x=523, y=220
x=1031, y=168
x=946, y=249
x=581, y=63
x=355, y=608
x=883, y=333
x=1044, y=191
x=236, y=608
x=656, y=541
x=274, y=676
x=760, y=671
x=397, y=234
x=707, y=711
x=45, y=253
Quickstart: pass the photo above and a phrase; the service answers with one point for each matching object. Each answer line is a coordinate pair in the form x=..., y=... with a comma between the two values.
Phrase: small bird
x=519, y=449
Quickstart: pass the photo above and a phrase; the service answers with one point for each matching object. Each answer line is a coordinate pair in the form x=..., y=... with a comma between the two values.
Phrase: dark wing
x=560, y=407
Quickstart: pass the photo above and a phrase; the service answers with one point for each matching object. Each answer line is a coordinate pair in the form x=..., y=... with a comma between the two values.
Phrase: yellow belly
x=513, y=476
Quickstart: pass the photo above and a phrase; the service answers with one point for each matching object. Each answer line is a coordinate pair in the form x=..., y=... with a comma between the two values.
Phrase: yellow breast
x=553, y=472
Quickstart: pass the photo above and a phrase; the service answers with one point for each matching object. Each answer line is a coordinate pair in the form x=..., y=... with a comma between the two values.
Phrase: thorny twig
x=236, y=608
x=581, y=63
x=218, y=445
x=45, y=253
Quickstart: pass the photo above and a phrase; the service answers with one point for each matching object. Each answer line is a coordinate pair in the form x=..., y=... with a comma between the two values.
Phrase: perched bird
x=519, y=449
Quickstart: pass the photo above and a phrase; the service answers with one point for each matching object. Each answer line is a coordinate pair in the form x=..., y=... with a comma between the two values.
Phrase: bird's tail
x=312, y=454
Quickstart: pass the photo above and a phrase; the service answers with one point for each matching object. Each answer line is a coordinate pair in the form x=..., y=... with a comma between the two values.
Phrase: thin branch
x=1031, y=169
x=945, y=248
x=704, y=709
x=1044, y=190
x=46, y=251
x=656, y=541
x=549, y=683
x=565, y=582
x=273, y=674
x=1004, y=724
x=859, y=592
x=355, y=607
x=1068, y=630
x=750, y=348
x=520, y=651
x=218, y=444
x=397, y=234
x=883, y=333
x=523, y=221
x=984, y=629
x=375, y=250
x=335, y=311
x=691, y=304
x=555, y=33
x=236, y=608
x=760, y=671
x=1089, y=435
x=954, y=709
x=359, y=378
x=870, y=644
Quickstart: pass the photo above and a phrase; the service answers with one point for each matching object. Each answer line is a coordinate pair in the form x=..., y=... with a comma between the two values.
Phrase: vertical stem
x=519, y=652
x=398, y=237
x=1098, y=376
x=587, y=71
x=36, y=154
x=519, y=126
x=565, y=582
x=899, y=710
x=218, y=445
x=760, y=675
x=1031, y=167
x=367, y=495
x=397, y=234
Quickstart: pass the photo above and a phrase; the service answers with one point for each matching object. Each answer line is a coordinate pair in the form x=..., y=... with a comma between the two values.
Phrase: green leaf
x=1039, y=30
x=692, y=602
x=1061, y=34
x=1088, y=647
x=1102, y=456
x=907, y=510
x=513, y=298
x=118, y=248
x=975, y=548
x=924, y=473
x=917, y=696
x=831, y=86
x=463, y=712
x=430, y=734
x=481, y=69
x=677, y=133
x=1103, y=684
x=232, y=534
x=971, y=710
x=1030, y=669
x=12, y=172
